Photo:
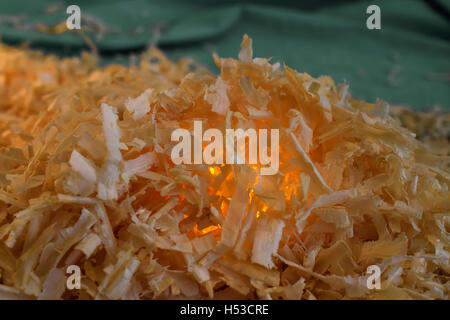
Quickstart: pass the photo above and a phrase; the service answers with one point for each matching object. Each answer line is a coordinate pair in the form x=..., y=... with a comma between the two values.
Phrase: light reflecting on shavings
x=86, y=178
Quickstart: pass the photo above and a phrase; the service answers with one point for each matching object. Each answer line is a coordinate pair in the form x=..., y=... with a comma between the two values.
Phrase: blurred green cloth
x=406, y=62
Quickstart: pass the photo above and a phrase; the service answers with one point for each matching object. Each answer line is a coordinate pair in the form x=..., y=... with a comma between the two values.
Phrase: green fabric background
x=406, y=62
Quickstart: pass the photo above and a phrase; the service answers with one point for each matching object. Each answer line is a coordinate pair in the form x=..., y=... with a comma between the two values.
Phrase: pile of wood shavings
x=86, y=179
x=432, y=128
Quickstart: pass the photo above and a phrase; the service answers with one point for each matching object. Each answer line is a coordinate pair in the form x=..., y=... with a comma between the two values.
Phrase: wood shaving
x=86, y=179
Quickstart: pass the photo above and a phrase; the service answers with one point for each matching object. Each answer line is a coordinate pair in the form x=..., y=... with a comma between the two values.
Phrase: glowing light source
x=207, y=229
x=214, y=170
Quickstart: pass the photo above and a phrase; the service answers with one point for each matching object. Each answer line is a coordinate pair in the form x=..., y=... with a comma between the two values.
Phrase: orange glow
x=207, y=229
x=288, y=191
x=264, y=207
x=290, y=181
x=215, y=171
x=210, y=190
x=224, y=208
